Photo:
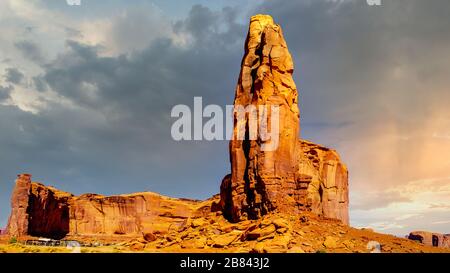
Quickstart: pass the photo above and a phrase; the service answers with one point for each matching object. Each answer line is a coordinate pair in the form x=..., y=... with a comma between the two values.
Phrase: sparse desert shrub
x=13, y=240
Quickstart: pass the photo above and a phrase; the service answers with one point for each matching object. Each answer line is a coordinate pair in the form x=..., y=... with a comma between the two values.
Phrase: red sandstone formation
x=298, y=175
x=18, y=220
x=38, y=210
x=325, y=180
x=430, y=238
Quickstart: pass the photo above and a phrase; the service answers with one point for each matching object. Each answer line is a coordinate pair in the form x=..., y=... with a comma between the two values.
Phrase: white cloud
x=441, y=222
x=407, y=216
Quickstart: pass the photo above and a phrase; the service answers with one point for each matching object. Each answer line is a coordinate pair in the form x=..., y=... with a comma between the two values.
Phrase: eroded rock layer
x=295, y=176
x=43, y=211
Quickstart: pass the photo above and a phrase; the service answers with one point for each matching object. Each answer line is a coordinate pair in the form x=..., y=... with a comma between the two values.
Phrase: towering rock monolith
x=18, y=220
x=295, y=176
x=264, y=180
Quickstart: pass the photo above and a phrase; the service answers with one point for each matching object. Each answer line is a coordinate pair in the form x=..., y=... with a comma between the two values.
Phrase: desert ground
x=273, y=233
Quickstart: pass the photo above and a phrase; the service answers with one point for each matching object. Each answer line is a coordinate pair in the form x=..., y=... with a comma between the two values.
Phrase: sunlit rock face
x=295, y=176
x=18, y=220
x=323, y=182
x=43, y=211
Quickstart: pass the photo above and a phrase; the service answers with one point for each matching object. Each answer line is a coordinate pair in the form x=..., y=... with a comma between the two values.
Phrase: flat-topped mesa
x=284, y=179
x=43, y=211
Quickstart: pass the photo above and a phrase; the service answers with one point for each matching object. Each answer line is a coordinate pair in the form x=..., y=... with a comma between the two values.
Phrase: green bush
x=13, y=240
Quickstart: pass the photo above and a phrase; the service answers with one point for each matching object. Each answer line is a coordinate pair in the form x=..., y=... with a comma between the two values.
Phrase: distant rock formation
x=430, y=238
x=298, y=175
x=43, y=211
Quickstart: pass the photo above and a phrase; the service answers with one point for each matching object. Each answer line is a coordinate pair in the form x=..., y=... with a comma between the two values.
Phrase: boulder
x=261, y=232
x=150, y=237
x=330, y=242
x=224, y=240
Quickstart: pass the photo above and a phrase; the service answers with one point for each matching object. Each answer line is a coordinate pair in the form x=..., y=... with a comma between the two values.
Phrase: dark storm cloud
x=159, y=75
x=30, y=50
x=39, y=84
x=213, y=28
x=13, y=75
x=112, y=135
x=5, y=92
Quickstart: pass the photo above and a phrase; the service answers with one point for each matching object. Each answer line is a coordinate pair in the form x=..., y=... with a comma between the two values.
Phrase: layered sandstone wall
x=43, y=211
x=128, y=214
x=325, y=179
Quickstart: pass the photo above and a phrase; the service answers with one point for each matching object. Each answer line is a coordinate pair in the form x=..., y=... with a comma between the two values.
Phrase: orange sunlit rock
x=298, y=175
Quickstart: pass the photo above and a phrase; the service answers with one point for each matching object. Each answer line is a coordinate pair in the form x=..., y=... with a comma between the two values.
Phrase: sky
x=86, y=94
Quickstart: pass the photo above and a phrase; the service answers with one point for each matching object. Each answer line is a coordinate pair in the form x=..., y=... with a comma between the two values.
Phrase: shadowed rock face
x=48, y=212
x=298, y=175
x=38, y=210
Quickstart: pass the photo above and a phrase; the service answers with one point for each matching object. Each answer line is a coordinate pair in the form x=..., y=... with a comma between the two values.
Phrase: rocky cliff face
x=18, y=220
x=323, y=182
x=43, y=211
x=128, y=214
x=297, y=175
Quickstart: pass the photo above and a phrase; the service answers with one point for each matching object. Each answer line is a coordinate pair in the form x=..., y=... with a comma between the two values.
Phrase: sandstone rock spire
x=298, y=175
x=264, y=180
